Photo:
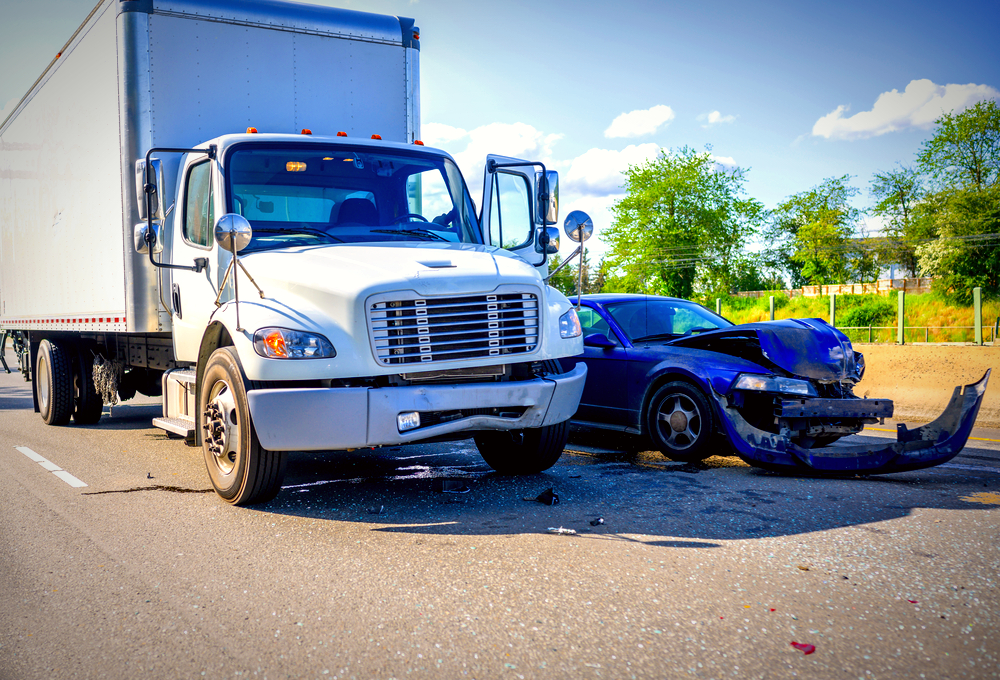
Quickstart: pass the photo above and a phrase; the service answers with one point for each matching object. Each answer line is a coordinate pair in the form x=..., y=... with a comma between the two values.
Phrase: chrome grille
x=422, y=330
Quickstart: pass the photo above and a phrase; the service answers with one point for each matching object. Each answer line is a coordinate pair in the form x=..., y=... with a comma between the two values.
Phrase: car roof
x=603, y=298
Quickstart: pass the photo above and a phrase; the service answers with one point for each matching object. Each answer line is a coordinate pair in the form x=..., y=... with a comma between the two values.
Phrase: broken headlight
x=773, y=383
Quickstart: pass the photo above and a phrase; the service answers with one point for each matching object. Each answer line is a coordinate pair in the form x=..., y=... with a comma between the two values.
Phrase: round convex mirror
x=233, y=229
x=578, y=226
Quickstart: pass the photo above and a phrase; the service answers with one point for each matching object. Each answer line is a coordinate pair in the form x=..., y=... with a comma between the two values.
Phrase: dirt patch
x=920, y=378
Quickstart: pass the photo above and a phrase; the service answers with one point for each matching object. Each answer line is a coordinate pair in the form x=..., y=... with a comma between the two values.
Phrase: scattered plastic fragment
x=561, y=531
x=149, y=475
x=772, y=609
x=803, y=567
x=597, y=521
x=803, y=647
x=450, y=486
x=913, y=601
x=548, y=497
x=376, y=511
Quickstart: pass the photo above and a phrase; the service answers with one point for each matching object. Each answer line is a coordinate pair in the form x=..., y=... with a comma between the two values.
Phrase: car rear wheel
x=680, y=422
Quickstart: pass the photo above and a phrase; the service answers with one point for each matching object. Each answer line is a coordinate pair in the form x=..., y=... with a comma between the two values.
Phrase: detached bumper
x=926, y=446
x=317, y=419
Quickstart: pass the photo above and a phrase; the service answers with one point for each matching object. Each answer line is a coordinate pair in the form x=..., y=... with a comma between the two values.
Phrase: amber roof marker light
x=377, y=137
x=306, y=131
x=251, y=130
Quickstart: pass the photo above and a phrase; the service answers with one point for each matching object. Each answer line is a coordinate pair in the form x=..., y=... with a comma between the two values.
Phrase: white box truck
x=226, y=202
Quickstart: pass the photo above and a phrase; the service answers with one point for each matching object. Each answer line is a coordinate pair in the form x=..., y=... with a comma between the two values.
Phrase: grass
x=927, y=309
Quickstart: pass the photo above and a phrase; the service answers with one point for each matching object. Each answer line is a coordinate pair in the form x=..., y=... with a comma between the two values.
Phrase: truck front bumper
x=318, y=419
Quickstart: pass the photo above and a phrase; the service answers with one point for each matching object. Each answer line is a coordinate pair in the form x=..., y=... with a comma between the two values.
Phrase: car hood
x=808, y=348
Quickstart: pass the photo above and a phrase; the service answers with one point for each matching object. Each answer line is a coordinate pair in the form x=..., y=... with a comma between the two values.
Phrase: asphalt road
x=360, y=569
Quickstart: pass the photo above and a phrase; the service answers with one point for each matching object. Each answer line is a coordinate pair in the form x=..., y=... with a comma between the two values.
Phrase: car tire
x=242, y=471
x=54, y=386
x=525, y=452
x=680, y=422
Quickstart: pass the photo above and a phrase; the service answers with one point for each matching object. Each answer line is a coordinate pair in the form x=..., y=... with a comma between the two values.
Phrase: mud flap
x=932, y=444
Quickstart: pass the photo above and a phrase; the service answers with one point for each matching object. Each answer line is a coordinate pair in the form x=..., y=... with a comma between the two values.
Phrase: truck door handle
x=175, y=298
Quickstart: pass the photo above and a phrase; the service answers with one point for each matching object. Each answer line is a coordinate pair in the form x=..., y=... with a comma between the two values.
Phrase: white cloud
x=714, y=118
x=640, y=122
x=439, y=134
x=724, y=162
x=918, y=106
x=598, y=172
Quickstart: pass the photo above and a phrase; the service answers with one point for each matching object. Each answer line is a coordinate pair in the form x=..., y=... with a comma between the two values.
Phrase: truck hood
x=808, y=348
x=427, y=268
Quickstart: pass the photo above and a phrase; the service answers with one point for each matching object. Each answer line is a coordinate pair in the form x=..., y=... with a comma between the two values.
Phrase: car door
x=604, y=393
x=192, y=294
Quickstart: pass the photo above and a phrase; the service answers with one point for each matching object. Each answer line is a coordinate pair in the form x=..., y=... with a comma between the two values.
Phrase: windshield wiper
x=426, y=233
x=299, y=230
x=657, y=336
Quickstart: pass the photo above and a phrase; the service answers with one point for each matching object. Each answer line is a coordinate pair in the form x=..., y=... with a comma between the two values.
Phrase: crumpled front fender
x=932, y=444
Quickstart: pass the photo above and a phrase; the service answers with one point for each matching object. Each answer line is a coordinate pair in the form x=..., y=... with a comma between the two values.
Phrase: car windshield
x=305, y=194
x=657, y=319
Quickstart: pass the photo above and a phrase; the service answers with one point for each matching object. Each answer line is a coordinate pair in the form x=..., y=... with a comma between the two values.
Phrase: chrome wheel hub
x=222, y=434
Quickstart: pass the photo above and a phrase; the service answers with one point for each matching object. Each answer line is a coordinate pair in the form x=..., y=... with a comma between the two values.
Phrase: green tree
x=962, y=157
x=681, y=225
x=813, y=235
x=965, y=148
x=565, y=279
x=897, y=194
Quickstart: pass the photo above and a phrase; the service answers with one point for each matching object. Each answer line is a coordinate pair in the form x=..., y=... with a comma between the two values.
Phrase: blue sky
x=796, y=92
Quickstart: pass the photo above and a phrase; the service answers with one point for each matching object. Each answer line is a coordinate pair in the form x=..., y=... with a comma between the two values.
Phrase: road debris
x=803, y=567
x=561, y=531
x=376, y=511
x=597, y=522
x=450, y=486
x=548, y=497
x=804, y=647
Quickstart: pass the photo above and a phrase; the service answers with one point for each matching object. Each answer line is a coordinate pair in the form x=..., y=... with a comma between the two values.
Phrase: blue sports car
x=778, y=393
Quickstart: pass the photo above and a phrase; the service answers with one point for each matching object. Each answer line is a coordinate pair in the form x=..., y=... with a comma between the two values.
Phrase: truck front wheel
x=54, y=383
x=525, y=452
x=242, y=471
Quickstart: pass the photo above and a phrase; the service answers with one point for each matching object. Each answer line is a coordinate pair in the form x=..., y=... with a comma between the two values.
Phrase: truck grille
x=423, y=330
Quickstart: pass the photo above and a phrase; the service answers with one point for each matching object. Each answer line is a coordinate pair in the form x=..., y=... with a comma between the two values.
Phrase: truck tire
x=54, y=383
x=87, y=404
x=241, y=470
x=525, y=452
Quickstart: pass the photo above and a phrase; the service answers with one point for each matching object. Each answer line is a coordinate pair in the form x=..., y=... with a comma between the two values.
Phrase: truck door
x=192, y=294
x=510, y=216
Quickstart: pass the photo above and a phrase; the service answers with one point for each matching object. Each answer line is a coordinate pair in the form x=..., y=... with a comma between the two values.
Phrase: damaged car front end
x=790, y=417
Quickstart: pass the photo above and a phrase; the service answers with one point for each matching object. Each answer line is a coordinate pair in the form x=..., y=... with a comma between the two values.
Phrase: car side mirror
x=598, y=340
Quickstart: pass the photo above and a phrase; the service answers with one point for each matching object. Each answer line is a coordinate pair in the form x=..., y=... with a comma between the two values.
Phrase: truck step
x=181, y=426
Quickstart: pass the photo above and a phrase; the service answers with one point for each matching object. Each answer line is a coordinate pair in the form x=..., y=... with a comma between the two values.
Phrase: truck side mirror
x=547, y=186
x=578, y=226
x=551, y=247
x=233, y=232
x=139, y=237
x=156, y=197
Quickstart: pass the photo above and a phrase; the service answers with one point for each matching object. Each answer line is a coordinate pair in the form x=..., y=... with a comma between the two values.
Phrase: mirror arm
x=569, y=258
x=149, y=189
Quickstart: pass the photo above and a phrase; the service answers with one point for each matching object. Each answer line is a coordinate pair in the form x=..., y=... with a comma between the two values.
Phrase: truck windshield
x=306, y=194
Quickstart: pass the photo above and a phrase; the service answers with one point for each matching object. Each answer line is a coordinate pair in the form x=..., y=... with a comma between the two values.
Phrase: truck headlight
x=569, y=325
x=772, y=383
x=282, y=343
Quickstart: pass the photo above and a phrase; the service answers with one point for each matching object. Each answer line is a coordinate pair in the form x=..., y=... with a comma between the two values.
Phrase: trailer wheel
x=525, y=452
x=54, y=383
x=241, y=470
x=88, y=405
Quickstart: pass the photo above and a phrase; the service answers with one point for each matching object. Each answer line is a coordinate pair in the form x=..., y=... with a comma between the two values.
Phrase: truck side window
x=510, y=212
x=199, y=213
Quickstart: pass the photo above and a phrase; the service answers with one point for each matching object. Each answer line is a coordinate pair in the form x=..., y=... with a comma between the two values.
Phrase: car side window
x=592, y=322
x=199, y=213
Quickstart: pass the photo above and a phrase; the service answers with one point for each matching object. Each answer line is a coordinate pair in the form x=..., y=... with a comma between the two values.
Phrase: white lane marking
x=51, y=467
x=69, y=479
